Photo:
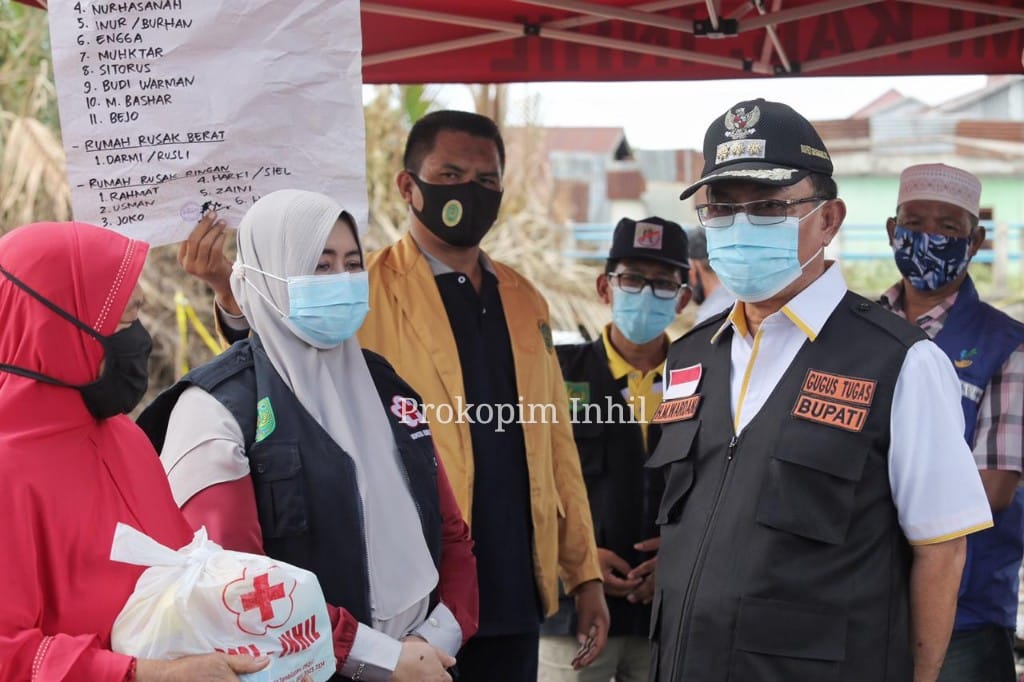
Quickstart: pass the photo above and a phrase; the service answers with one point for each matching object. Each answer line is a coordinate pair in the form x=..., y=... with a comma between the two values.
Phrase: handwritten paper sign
x=169, y=107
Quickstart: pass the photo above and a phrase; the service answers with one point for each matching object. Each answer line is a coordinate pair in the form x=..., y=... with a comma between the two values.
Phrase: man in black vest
x=614, y=387
x=815, y=510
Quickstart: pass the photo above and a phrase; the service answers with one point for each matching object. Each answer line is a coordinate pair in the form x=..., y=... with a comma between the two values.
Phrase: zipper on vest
x=698, y=567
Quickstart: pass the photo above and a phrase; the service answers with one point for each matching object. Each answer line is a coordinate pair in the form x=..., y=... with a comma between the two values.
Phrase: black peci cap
x=650, y=239
x=768, y=143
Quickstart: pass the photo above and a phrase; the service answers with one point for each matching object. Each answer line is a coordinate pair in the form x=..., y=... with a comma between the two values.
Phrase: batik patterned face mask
x=929, y=261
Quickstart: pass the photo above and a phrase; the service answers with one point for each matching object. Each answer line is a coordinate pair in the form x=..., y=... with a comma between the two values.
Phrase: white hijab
x=284, y=234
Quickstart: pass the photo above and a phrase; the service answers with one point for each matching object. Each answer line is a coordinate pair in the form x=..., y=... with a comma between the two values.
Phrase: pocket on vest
x=280, y=490
x=673, y=456
x=778, y=641
x=809, y=485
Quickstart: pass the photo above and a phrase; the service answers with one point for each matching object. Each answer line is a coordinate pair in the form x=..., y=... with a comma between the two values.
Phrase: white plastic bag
x=203, y=598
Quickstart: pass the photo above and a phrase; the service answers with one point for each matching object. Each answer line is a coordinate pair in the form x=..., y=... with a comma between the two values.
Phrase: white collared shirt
x=935, y=484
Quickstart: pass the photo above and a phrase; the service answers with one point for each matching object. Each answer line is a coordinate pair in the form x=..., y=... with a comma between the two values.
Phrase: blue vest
x=979, y=339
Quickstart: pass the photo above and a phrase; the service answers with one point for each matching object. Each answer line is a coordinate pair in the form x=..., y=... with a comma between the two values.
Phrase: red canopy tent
x=479, y=41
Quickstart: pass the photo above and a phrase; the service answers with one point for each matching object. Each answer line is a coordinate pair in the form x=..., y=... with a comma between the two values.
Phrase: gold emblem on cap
x=739, y=149
x=451, y=214
x=739, y=123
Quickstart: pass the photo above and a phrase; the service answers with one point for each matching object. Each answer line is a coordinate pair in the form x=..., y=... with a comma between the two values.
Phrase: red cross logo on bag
x=262, y=602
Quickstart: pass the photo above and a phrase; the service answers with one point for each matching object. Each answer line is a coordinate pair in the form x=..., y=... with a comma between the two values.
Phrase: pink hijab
x=66, y=479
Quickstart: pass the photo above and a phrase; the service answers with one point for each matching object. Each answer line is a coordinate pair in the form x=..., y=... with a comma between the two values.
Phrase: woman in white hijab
x=298, y=444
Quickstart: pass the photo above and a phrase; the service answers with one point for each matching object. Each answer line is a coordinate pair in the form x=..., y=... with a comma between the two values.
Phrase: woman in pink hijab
x=73, y=361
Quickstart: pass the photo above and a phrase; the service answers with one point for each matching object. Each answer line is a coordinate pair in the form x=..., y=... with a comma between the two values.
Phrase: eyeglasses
x=761, y=212
x=633, y=283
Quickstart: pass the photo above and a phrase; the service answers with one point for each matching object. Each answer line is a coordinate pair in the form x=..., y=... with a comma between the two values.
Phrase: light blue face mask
x=755, y=262
x=326, y=309
x=641, y=317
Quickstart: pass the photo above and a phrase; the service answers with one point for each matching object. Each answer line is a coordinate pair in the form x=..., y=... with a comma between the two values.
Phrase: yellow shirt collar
x=616, y=363
x=808, y=310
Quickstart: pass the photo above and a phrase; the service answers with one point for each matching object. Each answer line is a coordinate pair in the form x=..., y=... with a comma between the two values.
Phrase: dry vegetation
x=33, y=187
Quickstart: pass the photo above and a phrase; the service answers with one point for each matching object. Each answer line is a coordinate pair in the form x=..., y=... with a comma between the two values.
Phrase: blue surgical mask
x=756, y=262
x=643, y=316
x=930, y=261
x=325, y=310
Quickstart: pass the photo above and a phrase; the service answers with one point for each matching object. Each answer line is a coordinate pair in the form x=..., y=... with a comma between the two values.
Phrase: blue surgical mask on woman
x=642, y=316
x=756, y=262
x=327, y=309
x=930, y=261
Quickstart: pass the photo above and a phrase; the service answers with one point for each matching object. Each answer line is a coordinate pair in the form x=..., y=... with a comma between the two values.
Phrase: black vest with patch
x=623, y=495
x=307, y=497
x=782, y=559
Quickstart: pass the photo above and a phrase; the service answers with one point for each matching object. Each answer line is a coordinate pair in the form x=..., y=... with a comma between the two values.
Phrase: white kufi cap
x=939, y=182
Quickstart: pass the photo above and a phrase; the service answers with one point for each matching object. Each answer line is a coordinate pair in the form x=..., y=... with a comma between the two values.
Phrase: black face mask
x=125, y=375
x=459, y=215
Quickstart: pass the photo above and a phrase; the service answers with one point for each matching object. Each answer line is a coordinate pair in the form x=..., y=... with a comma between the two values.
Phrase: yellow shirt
x=644, y=388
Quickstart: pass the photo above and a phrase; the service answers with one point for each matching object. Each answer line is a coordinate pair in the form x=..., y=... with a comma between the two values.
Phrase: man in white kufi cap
x=934, y=236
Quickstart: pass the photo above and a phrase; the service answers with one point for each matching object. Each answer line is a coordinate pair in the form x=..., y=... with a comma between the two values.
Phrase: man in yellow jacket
x=473, y=337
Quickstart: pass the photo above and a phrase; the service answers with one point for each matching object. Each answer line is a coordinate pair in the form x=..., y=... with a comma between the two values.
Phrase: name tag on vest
x=835, y=400
x=676, y=410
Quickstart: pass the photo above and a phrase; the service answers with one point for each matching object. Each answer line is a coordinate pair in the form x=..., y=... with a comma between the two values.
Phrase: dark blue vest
x=309, y=506
x=979, y=339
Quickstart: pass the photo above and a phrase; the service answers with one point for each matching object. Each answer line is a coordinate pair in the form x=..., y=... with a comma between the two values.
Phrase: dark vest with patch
x=782, y=559
x=623, y=495
x=310, y=510
x=979, y=340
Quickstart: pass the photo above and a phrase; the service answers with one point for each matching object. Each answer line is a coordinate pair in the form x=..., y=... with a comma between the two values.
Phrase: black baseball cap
x=650, y=239
x=764, y=142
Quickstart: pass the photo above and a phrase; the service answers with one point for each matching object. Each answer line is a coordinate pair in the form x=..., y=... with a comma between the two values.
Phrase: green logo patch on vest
x=265, y=421
x=579, y=392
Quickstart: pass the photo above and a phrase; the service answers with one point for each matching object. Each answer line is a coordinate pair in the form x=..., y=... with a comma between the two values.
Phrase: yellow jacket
x=408, y=325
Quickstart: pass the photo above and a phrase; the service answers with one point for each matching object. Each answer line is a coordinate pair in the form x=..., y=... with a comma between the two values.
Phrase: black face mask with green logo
x=460, y=214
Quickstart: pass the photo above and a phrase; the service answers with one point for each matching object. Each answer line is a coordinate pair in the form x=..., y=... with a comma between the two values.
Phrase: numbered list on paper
x=173, y=107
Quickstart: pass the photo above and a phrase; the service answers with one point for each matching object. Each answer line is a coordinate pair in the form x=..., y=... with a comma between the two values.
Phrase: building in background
x=599, y=178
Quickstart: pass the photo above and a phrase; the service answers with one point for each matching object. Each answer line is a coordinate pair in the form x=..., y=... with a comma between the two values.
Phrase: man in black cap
x=708, y=293
x=813, y=521
x=614, y=386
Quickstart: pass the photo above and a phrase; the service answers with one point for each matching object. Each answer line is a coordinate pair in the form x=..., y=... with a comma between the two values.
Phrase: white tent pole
x=576, y=22
x=713, y=13
x=773, y=37
x=499, y=36
x=567, y=36
x=797, y=13
x=922, y=43
x=621, y=13
x=436, y=48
